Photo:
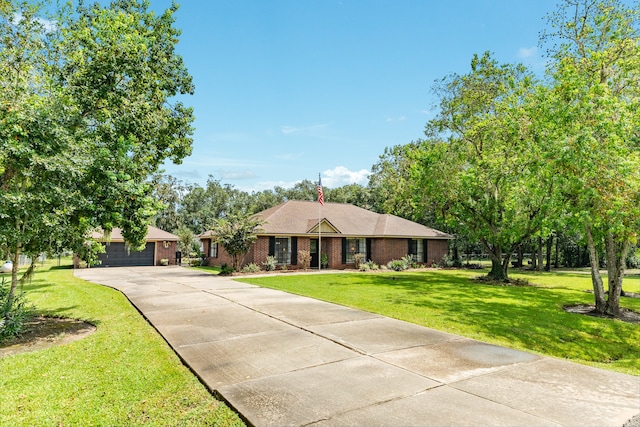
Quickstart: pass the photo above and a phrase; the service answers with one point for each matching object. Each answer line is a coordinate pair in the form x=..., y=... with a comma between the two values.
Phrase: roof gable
x=325, y=227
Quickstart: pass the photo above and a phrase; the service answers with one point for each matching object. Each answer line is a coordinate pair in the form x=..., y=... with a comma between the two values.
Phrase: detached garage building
x=159, y=245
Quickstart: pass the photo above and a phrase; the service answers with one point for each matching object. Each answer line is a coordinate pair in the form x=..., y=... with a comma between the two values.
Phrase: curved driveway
x=286, y=360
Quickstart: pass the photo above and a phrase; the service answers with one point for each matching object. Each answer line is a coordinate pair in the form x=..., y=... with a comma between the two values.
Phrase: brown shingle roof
x=298, y=217
x=153, y=235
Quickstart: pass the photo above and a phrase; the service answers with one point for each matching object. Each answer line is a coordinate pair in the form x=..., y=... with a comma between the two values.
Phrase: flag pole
x=319, y=237
x=320, y=205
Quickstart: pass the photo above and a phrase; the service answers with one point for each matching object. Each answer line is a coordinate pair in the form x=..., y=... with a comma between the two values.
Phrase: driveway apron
x=285, y=360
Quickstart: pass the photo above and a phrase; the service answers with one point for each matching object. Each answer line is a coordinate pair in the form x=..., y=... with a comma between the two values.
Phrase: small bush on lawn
x=271, y=263
x=251, y=268
x=15, y=314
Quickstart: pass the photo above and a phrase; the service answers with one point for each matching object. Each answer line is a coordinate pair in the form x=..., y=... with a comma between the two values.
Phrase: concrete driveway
x=286, y=360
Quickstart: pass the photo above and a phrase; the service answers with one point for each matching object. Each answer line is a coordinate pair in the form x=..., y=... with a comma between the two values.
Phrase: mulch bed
x=42, y=332
x=626, y=315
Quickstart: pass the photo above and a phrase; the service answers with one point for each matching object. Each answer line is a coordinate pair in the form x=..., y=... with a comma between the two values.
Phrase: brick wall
x=222, y=258
x=168, y=252
x=383, y=250
x=436, y=249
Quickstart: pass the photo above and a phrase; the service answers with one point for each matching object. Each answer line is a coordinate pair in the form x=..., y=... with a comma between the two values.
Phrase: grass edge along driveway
x=123, y=374
x=529, y=318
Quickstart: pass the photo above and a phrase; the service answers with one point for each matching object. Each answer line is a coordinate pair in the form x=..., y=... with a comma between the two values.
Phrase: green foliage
x=369, y=266
x=594, y=109
x=488, y=178
x=236, y=233
x=226, y=270
x=15, y=312
x=271, y=263
x=324, y=259
x=251, y=268
x=633, y=261
x=89, y=251
x=85, y=119
x=398, y=265
x=187, y=240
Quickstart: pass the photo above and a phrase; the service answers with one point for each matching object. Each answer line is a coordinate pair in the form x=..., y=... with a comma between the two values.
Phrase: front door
x=314, y=253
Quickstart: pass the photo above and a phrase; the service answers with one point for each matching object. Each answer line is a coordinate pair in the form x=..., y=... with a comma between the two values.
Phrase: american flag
x=320, y=194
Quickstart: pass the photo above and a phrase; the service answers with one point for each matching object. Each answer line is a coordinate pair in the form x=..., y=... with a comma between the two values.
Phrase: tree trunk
x=556, y=262
x=15, y=258
x=505, y=265
x=520, y=256
x=534, y=257
x=498, y=271
x=540, y=258
x=596, y=279
x=616, y=256
x=547, y=266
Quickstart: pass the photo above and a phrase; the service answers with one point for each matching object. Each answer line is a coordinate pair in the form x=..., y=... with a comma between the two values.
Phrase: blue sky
x=287, y=89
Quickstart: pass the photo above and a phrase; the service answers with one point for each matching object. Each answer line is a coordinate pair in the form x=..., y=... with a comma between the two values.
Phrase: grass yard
x=528, y=318
x=123, y=374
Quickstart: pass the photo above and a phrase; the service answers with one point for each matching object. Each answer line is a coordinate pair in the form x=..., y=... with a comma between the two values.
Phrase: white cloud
x=304, y=129
x=527, y=52
x=339, y=176
x=47, y=24
x=237, y=175
x=396, y=119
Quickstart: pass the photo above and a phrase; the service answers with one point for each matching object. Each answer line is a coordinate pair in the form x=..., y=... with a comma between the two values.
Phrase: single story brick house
x=337, y=229
x=159, y=245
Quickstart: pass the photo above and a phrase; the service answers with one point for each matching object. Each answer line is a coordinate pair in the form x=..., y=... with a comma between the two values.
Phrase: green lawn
x=528, y=318
x=123, y=374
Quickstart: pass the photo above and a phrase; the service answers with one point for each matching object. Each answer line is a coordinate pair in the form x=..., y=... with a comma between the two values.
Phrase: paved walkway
x=286, y=360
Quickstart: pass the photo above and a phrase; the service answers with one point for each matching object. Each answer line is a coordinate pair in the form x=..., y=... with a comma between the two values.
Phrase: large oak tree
x=88, y=111
x=482, y=166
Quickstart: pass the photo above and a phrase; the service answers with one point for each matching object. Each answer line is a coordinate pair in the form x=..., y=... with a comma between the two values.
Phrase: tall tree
x=596, y=74
x=389, y=183
x=169, y=192
x=87, y=113
x=488, y=177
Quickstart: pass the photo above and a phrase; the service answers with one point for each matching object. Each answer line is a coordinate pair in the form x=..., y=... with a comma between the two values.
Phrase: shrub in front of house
x=271, y=263
x=405, y=263
x=369, y=265
x=251, y=268
x=304, y=257
x=226, y=270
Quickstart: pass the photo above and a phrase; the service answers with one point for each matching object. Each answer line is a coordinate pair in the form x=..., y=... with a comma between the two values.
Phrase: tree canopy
x=595, y=106
x=88, y=112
